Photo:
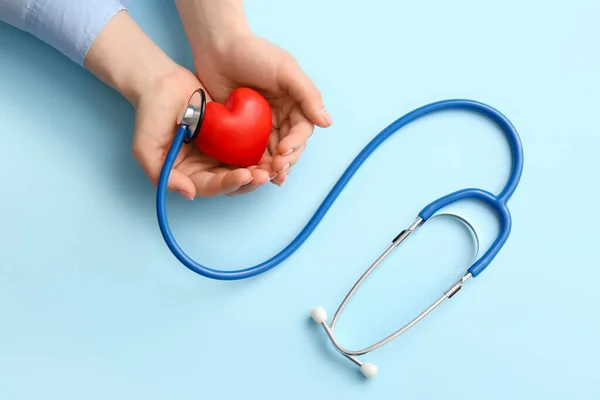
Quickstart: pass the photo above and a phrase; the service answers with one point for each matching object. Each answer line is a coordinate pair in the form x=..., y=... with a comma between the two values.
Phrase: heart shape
x=236, y=133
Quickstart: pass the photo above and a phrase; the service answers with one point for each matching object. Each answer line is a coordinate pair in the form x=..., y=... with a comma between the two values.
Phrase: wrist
x=211, y=26
x=126, y=59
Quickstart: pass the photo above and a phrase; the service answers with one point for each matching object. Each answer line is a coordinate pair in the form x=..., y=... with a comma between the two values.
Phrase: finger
x=281, y=177
x=244, y=190
x=274, y=139
x=301, y=129
x=182, y=184
x=268, y=168
x=151, y=158
x=259, y=176
x=284, y=163
x=304, y=91
x=211, y=184
x=266, y=163
x=266, y=159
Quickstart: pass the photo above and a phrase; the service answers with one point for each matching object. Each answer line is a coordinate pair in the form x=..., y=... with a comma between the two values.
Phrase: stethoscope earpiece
x=319, y=315
x=369, y=370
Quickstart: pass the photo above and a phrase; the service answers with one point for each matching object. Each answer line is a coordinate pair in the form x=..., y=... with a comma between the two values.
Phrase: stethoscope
x=189, y=123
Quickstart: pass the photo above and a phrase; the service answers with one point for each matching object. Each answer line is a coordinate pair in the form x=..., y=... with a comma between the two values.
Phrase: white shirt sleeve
x=70, y=26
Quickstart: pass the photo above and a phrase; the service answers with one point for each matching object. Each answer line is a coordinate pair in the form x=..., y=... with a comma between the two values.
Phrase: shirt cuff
x=70, y=26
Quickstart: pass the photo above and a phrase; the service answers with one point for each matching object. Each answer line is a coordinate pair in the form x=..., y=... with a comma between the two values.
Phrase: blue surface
x=94, y=305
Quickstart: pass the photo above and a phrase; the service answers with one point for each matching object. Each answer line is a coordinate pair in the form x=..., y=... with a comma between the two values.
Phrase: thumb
x=182, y=184
x=303, y=90
x=151, y=158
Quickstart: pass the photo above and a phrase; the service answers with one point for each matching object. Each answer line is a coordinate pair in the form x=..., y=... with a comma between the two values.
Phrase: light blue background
x=93, y=305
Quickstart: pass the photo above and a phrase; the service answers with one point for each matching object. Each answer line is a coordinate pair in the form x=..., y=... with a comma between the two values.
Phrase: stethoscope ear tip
x=369, y=370
x=319, y=315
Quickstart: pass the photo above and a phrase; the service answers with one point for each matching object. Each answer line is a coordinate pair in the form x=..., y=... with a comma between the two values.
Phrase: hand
x=295, y=101
x=194, y=174
x=227, y=55
x=159, y=89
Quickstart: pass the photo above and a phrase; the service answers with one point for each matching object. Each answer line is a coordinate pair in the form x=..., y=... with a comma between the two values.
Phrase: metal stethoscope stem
x=319, y=314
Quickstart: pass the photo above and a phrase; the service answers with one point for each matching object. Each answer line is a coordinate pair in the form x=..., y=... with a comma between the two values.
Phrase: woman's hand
x=227, y=56
x=159, y=89
x=194, y=174
x=295, y=102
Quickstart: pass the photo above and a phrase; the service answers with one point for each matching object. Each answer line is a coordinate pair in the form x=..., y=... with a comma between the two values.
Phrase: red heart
x=236, y=133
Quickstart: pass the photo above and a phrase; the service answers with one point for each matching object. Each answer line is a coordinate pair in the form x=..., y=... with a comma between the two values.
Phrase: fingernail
x=326, y=117
x=273, y=177
x=287, y=153
x=185, y=195
x=285, y=168
x=248, y=181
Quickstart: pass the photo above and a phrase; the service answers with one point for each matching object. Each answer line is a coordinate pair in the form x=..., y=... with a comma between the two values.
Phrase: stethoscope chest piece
x=192, y=115
x=319, y=315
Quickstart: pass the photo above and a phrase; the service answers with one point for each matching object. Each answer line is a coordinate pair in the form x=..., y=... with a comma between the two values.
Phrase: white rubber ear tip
x=319, y=315
x=368, y=370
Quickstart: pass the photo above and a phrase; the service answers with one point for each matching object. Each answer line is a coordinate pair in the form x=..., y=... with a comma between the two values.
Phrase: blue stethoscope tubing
x=498, y=202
